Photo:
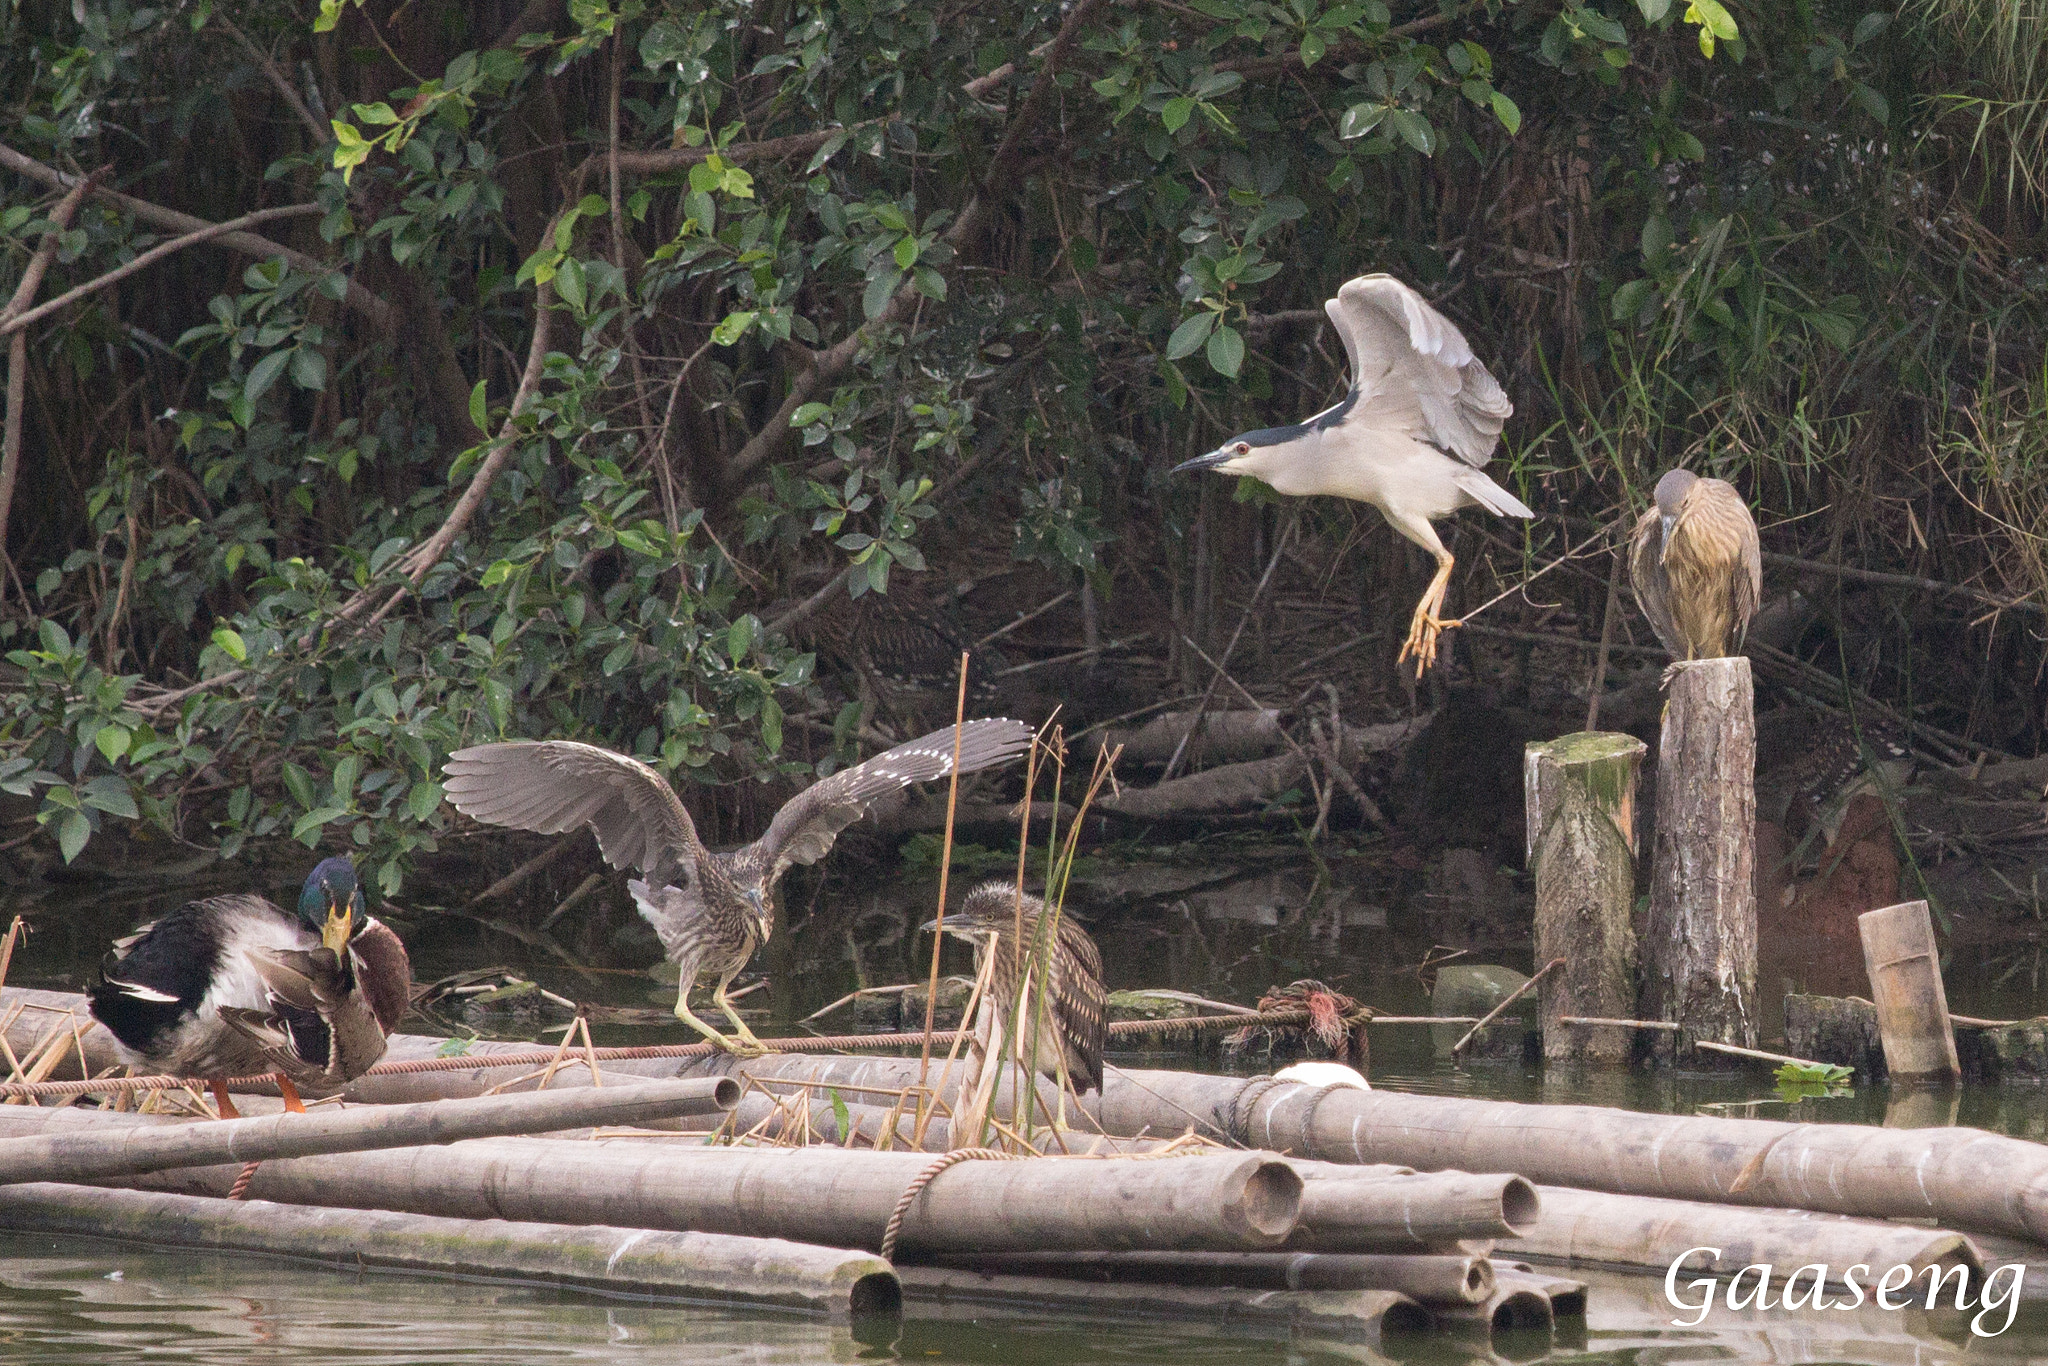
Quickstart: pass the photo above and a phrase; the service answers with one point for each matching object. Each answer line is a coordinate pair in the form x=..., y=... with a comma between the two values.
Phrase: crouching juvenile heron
x=1412, y=437
x=1076, y=1004
x=712, y=910
x=1696, y=566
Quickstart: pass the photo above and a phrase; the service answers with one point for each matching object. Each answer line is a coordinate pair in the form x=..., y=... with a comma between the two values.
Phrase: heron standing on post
x=712, y=910
x=1696, y=566
x=1412, y=437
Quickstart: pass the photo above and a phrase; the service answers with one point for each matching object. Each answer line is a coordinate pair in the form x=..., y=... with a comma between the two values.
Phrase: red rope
x=473, y=1062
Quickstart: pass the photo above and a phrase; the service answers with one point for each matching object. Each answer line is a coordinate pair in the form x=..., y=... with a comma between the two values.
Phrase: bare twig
x=1202, y=707
x=1517, y=994
x=278, y=80
x=151, y=257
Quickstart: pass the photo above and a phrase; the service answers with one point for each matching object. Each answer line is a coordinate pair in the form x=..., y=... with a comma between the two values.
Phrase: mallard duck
x=233, y=986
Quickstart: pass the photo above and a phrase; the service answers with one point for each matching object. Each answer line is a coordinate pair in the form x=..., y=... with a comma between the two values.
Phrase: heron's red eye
x=1244, y=448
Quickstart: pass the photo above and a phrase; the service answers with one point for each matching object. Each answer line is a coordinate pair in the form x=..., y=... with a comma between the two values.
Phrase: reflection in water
x=74, y=1301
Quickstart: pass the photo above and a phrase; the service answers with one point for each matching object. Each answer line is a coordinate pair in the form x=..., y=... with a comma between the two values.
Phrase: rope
x=475, y=1062
x=240, y=1190
x=925, y=1178
x=1244, y=1107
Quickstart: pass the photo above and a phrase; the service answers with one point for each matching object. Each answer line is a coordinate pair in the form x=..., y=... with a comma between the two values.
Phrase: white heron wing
x=1414, y=371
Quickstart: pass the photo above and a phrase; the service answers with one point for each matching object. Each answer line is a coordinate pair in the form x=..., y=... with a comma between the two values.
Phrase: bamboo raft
x=1294, y=1209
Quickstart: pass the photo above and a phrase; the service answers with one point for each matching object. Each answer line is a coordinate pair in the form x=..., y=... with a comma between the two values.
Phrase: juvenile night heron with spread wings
x=1696, y=566
x=1076, y=1004
x=712, y=910
x=1411, y=437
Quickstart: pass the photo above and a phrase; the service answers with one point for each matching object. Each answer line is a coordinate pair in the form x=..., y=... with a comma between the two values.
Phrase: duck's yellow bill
x=341, y=923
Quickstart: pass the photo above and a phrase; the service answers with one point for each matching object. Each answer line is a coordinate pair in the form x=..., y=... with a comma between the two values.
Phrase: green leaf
x=1415, y=130
x=1505, y=110
x=570, y=285
x=840, y=1115
x=1628, y=301
x=906, y=252
x=1189, y=336
x=345, y=776
x=424, y=797
x=1312, y=48
x=1870, y=102
x=479, y=414
x=231, y=644
x=1226, y=351
x=330, y=15
x=73, y=830
x=263, y=374
x=732, y=327
x=109, y=793
x=1653, y=10
x=306, y=829
x=309, y=368
x=299, y=784
x=740, y=638
x=809, y=413
x=1657, y=238
x=1868, y=27
x=880, y=290
x=1839, y=331
x=112, y=741
x=1176, y=113
x=378, y=113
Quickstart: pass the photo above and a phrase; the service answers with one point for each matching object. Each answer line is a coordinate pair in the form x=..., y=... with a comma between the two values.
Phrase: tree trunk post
x=1580, y=794
x=1700, y=954
x=1912, y=1006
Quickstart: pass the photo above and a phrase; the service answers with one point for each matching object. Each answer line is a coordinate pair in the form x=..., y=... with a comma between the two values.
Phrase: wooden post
x=1580, y=794
x=1912, y=1007
x=1700, y=943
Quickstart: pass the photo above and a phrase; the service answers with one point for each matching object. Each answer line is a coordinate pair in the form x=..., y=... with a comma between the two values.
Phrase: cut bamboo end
x=1904, y=963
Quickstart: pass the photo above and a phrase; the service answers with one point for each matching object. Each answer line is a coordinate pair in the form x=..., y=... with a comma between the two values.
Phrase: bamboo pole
x=1905, y=980
x=1643, y=1233
x=1580, y=794
x=1699, y=946
x=91, y=1155
x=1341, y=1212
x=618, y=1261
x=835, y=1198
x=936, y=1291
x=1425, y=1279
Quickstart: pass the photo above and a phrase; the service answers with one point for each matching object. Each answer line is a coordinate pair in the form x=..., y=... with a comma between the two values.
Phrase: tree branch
x=17, y=349
x=357, y=298
x=278, y=81
x=1290, y=60
x=827, y=365
x=151, y=257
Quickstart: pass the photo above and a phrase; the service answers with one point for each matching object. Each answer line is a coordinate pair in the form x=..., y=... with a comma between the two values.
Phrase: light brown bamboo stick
x=835, y=1198
x=95, y=1154
x=1905, y=982
x=613, y=1260
x=1342, y=1213
x=1423, y=1278
x=1647, y=1234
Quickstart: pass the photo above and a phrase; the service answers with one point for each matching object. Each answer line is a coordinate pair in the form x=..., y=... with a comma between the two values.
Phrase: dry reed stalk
x=931, y=1000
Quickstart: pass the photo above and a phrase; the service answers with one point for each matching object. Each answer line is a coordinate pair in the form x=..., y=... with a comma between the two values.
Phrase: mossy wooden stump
x=1580, y=795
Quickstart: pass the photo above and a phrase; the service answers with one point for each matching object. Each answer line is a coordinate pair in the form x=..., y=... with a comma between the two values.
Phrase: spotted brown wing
x=804, y=829
x=555, y=786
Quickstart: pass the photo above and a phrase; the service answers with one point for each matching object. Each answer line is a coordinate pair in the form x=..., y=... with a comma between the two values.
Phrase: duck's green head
x=332, y=904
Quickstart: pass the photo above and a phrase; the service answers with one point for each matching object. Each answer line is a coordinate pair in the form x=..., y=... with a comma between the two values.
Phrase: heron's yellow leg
x=689, y=1017
x=746, y=1046
x=1424, y=629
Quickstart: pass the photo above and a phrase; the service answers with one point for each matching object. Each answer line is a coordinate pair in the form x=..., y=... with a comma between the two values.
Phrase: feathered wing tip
x=984, y=743
x=554, y=786
x=1490, y=495
x=1391, y=333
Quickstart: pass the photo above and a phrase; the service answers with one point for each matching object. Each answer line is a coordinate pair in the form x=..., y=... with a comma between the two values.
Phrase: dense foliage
x=814, y=273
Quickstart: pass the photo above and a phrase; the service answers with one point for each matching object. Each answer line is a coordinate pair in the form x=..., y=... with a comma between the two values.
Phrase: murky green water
x=76, y=1301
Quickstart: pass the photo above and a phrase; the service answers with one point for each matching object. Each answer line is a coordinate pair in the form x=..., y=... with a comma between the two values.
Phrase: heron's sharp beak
x=928, y=927
x=1668, y=523
x=1213, y=460
x=340, y=927
x=761, y=916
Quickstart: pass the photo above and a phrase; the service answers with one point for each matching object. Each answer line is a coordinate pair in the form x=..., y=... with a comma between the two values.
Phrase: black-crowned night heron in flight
x=712, y=910
x=1076, y=1005
x=1412, y=437
x=1696, y=566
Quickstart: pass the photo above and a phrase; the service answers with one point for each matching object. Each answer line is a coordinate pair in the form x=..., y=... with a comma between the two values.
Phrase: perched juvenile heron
x=234, y=986
x=1076, y=1009
x=712, y=910
x=1412, y=437
x=1696, y=567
